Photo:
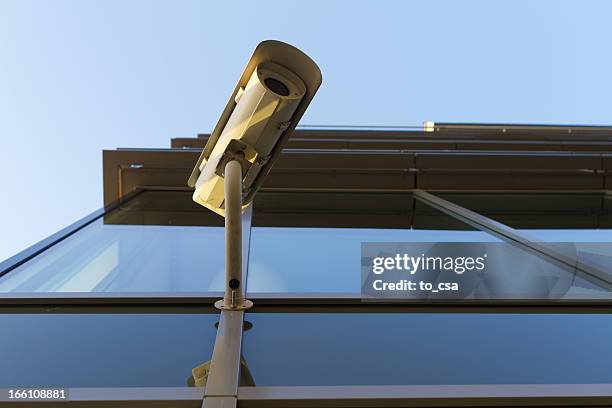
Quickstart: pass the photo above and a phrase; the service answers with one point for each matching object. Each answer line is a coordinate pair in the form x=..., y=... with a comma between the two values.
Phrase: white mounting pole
x=234, y=287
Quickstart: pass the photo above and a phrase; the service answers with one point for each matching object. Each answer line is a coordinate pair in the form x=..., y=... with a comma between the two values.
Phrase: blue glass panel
x=294, y=349
x=147, y=245
x=103, y=350
x=327, y=259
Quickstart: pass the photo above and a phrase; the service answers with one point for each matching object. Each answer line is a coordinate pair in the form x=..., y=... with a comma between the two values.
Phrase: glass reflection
x=297, y=349
x=576, y=225
x=103, y=350
x=289, y=256
x=144, y=246
x=326, y=260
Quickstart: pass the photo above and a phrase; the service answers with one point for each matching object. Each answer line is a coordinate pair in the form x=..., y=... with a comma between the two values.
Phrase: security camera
x=270, y=98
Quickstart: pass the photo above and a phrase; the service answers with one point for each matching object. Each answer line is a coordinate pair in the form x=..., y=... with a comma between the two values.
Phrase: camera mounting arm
x=234, y=296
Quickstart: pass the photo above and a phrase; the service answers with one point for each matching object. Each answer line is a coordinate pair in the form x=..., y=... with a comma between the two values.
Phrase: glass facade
x=126, y=258
x=311, y=327
x=577, y=224
x=324, y=260
x=297, y=349
x=137, y=248
x=119, y=349
x=158, y=242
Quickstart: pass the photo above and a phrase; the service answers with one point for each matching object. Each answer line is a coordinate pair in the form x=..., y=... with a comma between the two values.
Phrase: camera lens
x=276, y=86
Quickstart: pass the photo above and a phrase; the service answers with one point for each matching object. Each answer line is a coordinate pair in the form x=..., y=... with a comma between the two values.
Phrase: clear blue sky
x=77, y=77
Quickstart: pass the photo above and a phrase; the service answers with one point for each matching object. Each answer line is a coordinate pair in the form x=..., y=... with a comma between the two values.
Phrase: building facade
x=118, y=307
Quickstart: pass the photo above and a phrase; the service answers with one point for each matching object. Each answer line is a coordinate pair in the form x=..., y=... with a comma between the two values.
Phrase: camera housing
x=271, y=96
